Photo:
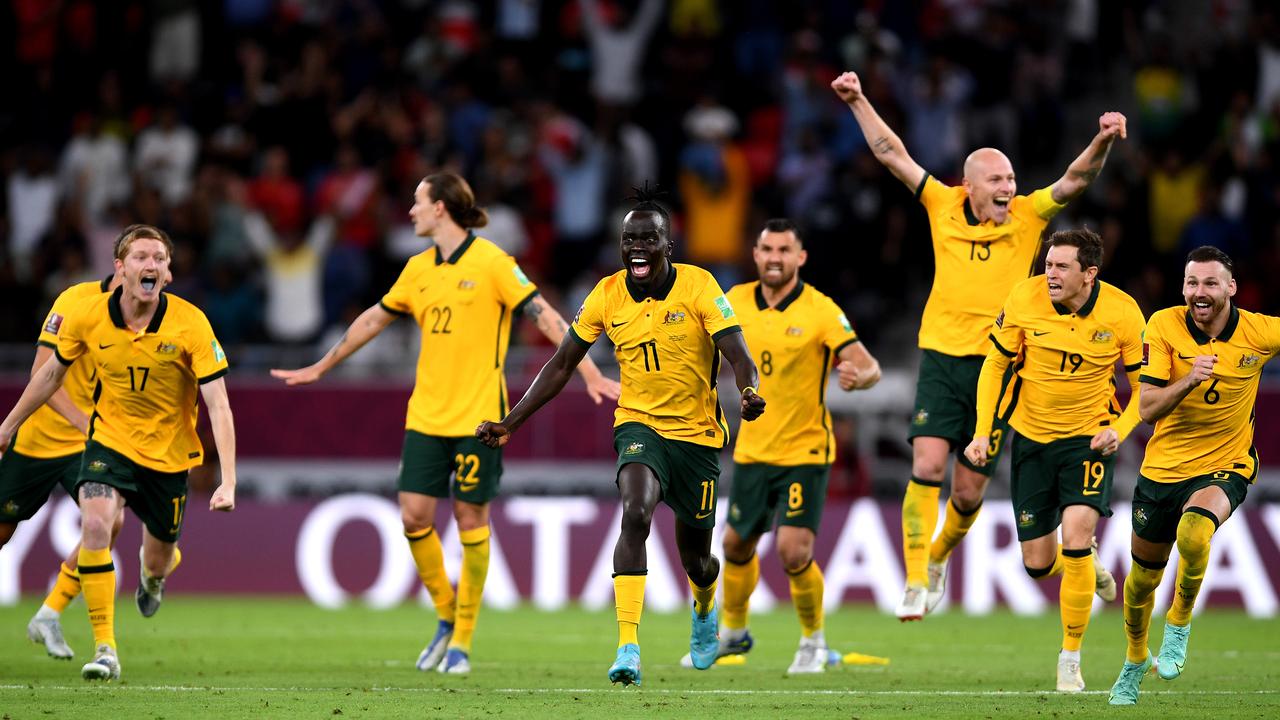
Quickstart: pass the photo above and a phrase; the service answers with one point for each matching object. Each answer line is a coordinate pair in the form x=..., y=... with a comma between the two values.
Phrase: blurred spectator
x=618, y=48
x=33, y=200
x=579, y=169
x=715, y=184
x=94, y=171
x=276, y=194
x=175, y=40
x=165, y=156
x=294, y=268
x=1175, y=195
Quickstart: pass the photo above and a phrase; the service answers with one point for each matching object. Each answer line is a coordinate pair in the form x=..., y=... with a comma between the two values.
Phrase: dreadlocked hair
x=646, y=198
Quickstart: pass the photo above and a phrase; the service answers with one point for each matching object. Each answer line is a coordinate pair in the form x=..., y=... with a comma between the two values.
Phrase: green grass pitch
x=267, y=657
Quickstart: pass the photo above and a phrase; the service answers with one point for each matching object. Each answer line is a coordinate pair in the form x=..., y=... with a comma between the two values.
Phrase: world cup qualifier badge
x=53, y=324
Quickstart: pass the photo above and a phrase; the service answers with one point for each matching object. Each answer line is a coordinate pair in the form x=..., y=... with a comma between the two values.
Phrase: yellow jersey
x=464, y=304
x=794, y=344
x=1211, y=430
x=46, y=434
x=666, y=349
x=976, y=264
x=145, y=403
x=1064, y=384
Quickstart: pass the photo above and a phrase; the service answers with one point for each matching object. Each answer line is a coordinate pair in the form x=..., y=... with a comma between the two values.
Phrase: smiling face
x=990, y=182
x=144, y=268
x=778, y=256
x=1208, y=288
x=645, y=245
x=1069, y=284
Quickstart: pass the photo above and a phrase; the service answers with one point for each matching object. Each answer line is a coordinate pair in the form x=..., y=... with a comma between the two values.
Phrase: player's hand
x=301, y=376
x=1201, y=369
x=752, y=405
x=1112, y=125
x=603, y=388
x=848, y=87
x=224, y=498
x=977, y=450
x=1105, y=442
x=493, y=434
x=848, y=375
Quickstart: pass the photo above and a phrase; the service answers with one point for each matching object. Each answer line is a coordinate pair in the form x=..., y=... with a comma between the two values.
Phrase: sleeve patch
x=218, y=355
x=1000, y=320
x=726, y=310
x=844, y=323
x=53, y=323
x=520, y=276
x=1146, y=354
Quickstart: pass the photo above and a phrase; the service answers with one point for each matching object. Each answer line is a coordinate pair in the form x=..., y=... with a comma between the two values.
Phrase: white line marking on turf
x=656, y=691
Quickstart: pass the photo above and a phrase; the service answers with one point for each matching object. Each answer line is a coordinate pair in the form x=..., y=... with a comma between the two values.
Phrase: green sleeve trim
x=61, y=359
x=1131, y=368
x=1152, y=380
x=727, y=331
x=920, y=187
x=844, y=345
x=521, y=305
x=1000, y=347
x=46, y=343
x=573, y=334
x=214, y=376
x=393, y=311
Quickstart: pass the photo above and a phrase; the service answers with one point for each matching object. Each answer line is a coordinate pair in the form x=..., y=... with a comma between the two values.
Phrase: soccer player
x=1201, y=366
x=985, y=238
x=669, y=323
x=782, y=461
x=151, y=352
x=464, y=293
x=46, y=454
x=1066, y=329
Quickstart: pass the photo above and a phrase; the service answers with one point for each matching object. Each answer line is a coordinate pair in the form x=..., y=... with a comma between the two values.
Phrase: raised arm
x=1084, y=169
x=556, y=330
x=362, y=330
x=44, y=383
x=550, y=381
x=214, y=394
x=884, y=143
x=857, y=370
x=60, y=401
x=1154, y=402
x=734, y=348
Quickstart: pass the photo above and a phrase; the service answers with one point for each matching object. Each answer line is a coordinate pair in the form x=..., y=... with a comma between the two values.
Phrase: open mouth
x=1001, y=201
x=149, y=283
x=1202, y=305
x=1055, y=287
x=639, y=267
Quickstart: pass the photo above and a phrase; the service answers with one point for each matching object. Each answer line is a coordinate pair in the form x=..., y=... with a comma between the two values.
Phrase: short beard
x=780, y=284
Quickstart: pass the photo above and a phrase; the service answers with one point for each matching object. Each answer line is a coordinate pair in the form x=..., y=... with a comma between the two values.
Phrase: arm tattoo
x=533, y=309
x=93, y=489
x=882, y=146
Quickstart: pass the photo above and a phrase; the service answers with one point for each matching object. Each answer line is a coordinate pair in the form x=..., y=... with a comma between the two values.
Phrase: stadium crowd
x=280, y=141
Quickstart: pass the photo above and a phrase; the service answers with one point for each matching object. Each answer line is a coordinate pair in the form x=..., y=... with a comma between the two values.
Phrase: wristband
x=753, y=390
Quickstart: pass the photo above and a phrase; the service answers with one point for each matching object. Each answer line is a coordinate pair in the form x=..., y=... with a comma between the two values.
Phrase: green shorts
x=946, y=405
x=1157, y=507
x=794, y=494
x=687, y=472
x=159, y=499
x=1050, y=476
x=435, y=466
x=26, y=482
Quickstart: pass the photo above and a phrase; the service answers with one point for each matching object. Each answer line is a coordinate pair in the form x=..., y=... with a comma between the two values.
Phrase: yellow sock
x=1139, y=597
x=475, y=567
x=174, y=562
x=98, y=579
x=739, y=582
x=954, y=527
x=65, y=589
x=806, y=594
x=704, y=598
x=1194, y=532
x=1053, y=570
x=628, y=598
x=919, y=519
x=428, y=555
x=1075, y=597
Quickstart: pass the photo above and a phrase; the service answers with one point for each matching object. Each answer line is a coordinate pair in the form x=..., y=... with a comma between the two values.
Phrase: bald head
x=986, y=161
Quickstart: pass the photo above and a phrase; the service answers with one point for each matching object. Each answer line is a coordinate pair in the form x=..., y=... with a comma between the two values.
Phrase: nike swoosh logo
x=467, y=487
x=1038, y=333
x=793, y=513
x=624, y=322
x=1092, y=492
x=703, y=516
x=1184, y=357
x=104, y=347
x=1074, y=627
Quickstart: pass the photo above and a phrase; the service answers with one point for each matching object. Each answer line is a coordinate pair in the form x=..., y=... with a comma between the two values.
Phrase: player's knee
x=96, y=529
x=795, y=556
x=967, y=500
x=1194, y=532
x=414, y=522
x=929, y=468
x=636, y=517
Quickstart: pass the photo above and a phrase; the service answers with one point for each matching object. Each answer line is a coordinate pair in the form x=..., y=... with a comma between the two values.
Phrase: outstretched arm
x=734, y=348
x=44, y=383
x=362, y=330
x=1084, y=169
x=556, y=330
x=214, y=394
x=550, y=381
x=884, y=143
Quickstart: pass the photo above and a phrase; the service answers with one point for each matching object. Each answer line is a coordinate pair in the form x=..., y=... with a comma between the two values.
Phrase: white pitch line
x=656, y=691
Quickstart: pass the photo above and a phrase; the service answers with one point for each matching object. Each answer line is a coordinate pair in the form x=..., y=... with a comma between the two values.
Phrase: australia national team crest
x=1139, y=517
x=97, y=466
x=1101, y=336
x=921, y=417
x=1248, y=361
x=466, y=284
x=10, y=508
x=674, y=317
x=794, y=331
x=165, y=348
x=1026, y=518
x=634, y=448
